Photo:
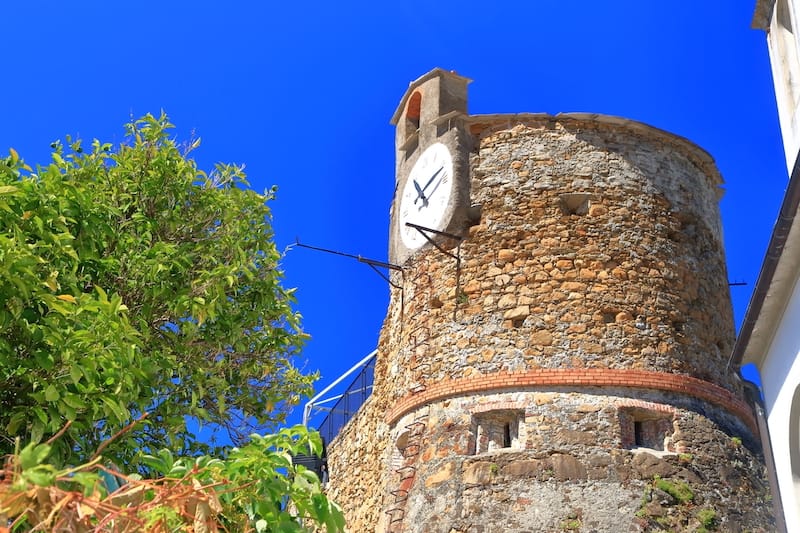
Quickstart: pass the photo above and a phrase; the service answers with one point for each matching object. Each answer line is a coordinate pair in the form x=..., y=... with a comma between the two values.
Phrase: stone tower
x=554, y=359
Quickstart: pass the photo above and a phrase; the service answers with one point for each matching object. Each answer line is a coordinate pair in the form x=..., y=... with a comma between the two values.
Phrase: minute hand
x=425, y=188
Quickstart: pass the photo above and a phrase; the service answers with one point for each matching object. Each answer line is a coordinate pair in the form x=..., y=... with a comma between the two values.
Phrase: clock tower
x=432, y=172
x=556, y=358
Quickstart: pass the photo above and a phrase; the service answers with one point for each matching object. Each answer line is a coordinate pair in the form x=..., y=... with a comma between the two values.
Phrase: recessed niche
x=609, y=317
x=575, y=203
x=474, y=215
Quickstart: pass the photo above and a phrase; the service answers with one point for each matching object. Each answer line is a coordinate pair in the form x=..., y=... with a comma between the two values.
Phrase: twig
x=117, y=435
x=61, y=431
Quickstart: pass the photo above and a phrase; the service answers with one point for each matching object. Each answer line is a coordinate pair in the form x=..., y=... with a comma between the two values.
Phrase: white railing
x=346, y=403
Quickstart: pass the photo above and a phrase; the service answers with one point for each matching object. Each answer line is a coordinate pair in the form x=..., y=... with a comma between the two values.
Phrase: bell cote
x=429, y=104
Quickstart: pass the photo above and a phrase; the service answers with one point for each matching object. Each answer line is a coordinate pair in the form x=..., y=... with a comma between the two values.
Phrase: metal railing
x=345, y=404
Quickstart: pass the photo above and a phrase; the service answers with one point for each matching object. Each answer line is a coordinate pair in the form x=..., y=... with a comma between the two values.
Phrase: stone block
x=440, y=476
x=480, y=473
x=525, y=468
x=541, y=338
x=507, y=301
x=506, y=255
x=567, y=467
x=518, y=313
x=542, y=398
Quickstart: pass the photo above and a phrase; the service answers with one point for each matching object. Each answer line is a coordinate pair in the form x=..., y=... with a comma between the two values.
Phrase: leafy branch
x=255, y=488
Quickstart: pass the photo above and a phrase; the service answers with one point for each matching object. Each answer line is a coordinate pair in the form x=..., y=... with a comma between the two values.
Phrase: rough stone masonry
x=571, y=375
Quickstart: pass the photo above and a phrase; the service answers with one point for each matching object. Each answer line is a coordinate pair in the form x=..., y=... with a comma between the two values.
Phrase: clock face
x=426, y=194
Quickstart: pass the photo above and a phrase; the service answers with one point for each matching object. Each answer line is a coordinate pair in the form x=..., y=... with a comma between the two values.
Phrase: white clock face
x=426, y=194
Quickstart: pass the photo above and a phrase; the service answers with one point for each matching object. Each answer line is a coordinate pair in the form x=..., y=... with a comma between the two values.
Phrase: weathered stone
x=576, y=437
x=502, y=280
x=564, y=264
x=567, y=467
x=576, y=328
x=517, y=313
x=649, y=466
x=541, y=338
x=472, y=287
x=506, y=301
x=480, y=473
x=597, y=210
x=525, y=468
x=623, y=316
x=506, y=255
x=573, y=286
x=542, y=398
x=440, y=476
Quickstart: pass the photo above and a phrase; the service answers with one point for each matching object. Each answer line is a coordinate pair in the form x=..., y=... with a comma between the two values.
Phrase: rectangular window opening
x=645, y=428
x=497, y=430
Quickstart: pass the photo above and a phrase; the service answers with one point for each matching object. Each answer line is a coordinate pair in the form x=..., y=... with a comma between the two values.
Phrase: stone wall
x=572, y=463
x=588, y=318
x=357, y=461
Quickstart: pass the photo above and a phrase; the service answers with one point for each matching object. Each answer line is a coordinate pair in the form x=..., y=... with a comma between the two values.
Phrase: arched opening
x=794, y=447
x=412, y=113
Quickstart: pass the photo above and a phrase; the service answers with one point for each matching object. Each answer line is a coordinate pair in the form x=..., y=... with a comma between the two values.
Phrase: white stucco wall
x=780, y=374
x=784, y=49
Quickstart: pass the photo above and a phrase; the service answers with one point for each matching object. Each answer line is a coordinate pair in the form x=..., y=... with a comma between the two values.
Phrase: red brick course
x=583, y=377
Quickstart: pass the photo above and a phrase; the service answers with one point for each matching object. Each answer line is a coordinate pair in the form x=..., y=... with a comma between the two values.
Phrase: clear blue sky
x=302, y=93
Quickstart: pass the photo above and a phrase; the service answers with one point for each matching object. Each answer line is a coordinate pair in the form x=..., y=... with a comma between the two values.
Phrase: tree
x=132, y=282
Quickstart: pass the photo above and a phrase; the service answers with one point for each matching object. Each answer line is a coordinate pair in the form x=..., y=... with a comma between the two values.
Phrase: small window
x=496, y=430
x=638, y=433
x=507, y=435
x=644, y=428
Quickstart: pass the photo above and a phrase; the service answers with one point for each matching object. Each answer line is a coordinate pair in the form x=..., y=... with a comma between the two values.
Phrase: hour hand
x=420, y=194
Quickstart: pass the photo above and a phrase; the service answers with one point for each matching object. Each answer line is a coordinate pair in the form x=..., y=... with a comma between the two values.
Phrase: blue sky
x=302, y=93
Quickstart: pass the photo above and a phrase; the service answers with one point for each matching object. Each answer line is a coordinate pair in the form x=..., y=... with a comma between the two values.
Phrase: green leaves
x=132, y=281
x=272, y=501
x=255, y=487
x=34, y=471
x=33, y=454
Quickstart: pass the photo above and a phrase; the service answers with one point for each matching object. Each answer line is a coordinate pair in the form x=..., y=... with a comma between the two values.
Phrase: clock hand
x=420, y=194
x=425, y=188
x=435, y=186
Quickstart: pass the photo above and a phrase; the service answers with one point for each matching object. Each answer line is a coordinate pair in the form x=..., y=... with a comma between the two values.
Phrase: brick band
x=576, y=377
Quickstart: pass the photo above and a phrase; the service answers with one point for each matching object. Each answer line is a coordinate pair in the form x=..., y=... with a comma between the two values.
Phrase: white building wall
x=784, y=49
x=780, y=374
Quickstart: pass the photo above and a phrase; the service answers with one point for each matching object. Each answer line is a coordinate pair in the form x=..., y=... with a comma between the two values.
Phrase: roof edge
x=777, y=243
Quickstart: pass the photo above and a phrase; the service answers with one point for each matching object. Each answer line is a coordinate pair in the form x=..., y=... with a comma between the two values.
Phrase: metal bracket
x=372, y=263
